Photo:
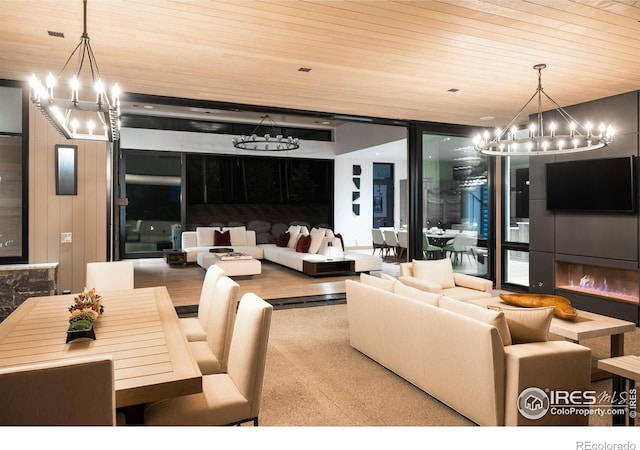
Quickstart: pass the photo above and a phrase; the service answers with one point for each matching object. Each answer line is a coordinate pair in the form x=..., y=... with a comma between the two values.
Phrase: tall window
x=516, y=224
x=13, y=174
x=455, y=213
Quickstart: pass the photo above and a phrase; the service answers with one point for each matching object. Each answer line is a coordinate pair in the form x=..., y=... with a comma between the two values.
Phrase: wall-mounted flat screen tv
x=605, y=185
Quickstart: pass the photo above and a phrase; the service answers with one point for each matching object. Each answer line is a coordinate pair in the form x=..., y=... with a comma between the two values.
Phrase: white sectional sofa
x=463, y=354
x=291, y=255
x=203, y=239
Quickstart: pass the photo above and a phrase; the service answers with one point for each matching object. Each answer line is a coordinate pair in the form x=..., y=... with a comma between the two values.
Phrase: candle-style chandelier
x=541, y=140
x=271, y=141
x=94, y=119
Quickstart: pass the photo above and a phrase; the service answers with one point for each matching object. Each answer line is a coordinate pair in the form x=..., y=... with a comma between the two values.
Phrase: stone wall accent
x=21, y=281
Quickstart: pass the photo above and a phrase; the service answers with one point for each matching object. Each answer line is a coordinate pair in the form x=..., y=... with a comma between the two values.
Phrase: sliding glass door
x=152, y=187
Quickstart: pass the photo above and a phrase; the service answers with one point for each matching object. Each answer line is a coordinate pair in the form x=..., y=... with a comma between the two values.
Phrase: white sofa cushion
x=294, y=233
x=497, y=318
x=438, y=271
x=238, y=235
x=317, y=235
x=527, y=324
x=204, y=236
x=380, y=283
x=416, y=294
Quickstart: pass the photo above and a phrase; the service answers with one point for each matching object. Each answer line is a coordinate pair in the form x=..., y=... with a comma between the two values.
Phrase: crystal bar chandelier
x=540, y=140
x=95, y=117
x=268, y=142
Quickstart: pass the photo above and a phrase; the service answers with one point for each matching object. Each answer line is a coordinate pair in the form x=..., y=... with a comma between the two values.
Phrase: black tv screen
x=598, y=185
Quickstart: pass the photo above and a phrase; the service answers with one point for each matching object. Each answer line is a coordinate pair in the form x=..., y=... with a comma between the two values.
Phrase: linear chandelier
x=275, y=142
x=536, y=140
x=94, y=118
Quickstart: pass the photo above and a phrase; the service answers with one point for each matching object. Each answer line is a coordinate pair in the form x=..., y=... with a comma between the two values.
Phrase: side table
x=174, y=257
x=626, y=371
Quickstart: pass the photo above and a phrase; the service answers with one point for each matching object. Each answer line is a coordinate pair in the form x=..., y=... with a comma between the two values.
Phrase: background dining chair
x=403, y=244
x=391, y=239
x=430, y=251
x=460, y=245
x=212, y=355
x=75, y=391
x=110, y=276
x=378, y=241
x=195, y=328
x=226, y=398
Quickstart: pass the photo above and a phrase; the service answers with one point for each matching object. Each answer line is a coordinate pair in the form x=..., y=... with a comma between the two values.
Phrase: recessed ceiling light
x=304, y=69
x=453, y=90
x=148, y=107
x=486, y=118
x=59, y=34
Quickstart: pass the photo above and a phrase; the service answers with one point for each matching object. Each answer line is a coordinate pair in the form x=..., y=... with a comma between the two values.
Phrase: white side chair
x=391, y=239
x=403, y=244
x=195, y=328
x=212, y=355
x=71, y=392
x=378, y=241
x=110, y=276
x=227, y=398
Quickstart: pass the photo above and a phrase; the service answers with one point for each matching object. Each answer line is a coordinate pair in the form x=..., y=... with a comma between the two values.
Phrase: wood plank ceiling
x=389, y=59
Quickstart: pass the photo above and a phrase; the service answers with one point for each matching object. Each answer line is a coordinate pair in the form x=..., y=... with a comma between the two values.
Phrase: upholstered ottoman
x=232, y=267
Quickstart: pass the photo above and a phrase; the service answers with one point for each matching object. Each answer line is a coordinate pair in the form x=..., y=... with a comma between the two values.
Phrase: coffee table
x=244, y=265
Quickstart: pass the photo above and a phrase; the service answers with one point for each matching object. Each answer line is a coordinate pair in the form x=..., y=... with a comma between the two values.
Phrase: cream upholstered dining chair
x=195, y=328
x=227, y=398
x=213, y=353
x=391, y=239
x=403, y=244
x=110, y=275
x=377, y=238
x=74, y=391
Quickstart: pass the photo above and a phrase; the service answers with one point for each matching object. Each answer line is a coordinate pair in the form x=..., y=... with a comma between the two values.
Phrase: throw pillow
x=438, y=271
x=416, y=294
x=317, y=234
x=304, y=241
x=496, y=318
x=204, y=236
x=238, y=235
x=294, y=232
x=282, y=240
x=527, y=324
x=339, y=236
x=221, y=238
x=380, y=283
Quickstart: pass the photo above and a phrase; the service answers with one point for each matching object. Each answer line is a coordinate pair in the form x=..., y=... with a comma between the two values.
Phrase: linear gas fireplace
x=615, y=284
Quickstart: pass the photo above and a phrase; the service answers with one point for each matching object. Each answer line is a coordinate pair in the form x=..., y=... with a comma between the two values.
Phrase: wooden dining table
x=139, y=329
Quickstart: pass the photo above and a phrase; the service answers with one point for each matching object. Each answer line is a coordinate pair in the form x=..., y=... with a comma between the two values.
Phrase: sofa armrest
x=550, y=365
x=421, y=284
x=472, y=282
x=189, y=239
x=251, y=237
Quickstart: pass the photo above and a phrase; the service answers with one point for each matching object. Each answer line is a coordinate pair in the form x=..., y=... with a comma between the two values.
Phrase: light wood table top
x=139, y=328
x=589, y=325
x=627, y=366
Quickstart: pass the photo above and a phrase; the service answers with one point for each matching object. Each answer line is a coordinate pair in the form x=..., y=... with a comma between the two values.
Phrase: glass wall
x=516, y=226
x=152, y=185
x=455, y=213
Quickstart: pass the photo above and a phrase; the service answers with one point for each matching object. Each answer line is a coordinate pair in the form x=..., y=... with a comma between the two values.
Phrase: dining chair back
x=378, y=241
x=212, y=354
x=391, y=239
x=110, y=276
x=72, y=392
x=429, y=250
x=228, y=398
x=403, y=244
x=195, y=328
